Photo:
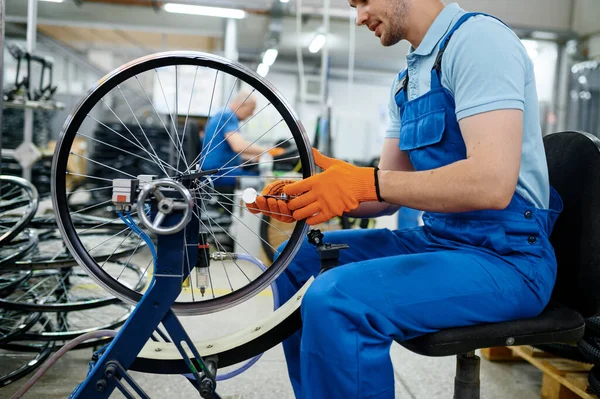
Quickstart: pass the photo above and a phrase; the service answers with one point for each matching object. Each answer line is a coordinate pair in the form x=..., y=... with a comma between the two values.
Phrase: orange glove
x=277, y=151
x=273, y=207
x=339, y=189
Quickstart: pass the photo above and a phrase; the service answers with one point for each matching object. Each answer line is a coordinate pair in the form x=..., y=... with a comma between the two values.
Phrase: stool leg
x=466, y=382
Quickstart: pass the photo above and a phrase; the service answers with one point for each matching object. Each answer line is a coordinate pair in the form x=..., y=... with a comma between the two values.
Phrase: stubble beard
x=396, y=18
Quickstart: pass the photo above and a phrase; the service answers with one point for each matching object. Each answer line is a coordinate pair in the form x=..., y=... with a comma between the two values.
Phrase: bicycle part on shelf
x=127, y=145
x=17, y=197
x=165, y=205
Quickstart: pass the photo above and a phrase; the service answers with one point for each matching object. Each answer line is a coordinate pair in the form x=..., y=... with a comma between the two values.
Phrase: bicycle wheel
x=68, y=290
x=70, y=325
x=124, y=136
x=51, y=252
x=15, y=363
x=13, y=325
x=19, y=198
x=10, y=281
x=20, y=246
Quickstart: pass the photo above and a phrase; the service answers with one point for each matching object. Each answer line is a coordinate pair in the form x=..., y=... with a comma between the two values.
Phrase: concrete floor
x=417, y=377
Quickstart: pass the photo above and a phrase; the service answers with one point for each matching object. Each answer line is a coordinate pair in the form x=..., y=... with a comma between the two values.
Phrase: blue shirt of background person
x=223, y=144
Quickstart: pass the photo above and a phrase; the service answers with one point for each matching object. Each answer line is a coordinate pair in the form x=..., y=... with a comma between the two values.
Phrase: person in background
x=225, y=147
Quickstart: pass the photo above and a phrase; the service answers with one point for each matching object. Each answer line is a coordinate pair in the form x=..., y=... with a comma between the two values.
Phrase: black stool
x=574, y=167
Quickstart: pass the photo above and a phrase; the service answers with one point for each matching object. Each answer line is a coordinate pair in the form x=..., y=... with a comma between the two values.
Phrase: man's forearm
x=458, y=187
x=373, y=210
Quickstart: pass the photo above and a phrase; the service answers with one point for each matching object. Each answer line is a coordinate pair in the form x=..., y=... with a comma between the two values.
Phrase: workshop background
x=334, y=75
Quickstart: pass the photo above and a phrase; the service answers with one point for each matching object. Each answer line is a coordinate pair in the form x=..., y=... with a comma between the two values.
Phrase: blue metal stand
x=153, y=309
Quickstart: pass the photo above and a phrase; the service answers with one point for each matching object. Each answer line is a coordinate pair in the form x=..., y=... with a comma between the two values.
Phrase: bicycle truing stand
x=180, y=234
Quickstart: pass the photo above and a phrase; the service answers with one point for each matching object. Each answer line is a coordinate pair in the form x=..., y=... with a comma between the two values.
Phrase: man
x=224, y=146
x=469, y=153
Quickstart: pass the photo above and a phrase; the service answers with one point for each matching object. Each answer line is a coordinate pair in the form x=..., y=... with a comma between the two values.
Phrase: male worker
x=464, y=145
x=224, y=146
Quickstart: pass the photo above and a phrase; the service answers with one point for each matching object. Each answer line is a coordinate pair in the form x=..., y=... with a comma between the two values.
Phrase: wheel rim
x=16, y=195
x=113, y=81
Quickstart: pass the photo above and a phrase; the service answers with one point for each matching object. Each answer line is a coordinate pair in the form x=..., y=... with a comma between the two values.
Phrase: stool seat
x=556, y=323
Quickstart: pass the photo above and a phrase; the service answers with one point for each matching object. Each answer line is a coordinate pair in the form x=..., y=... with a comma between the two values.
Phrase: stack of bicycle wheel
x=46, y=299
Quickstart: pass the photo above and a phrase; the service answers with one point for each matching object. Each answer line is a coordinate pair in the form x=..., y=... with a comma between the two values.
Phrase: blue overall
x=458, y=269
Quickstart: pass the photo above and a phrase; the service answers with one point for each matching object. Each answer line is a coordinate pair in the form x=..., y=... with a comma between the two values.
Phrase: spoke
x=131, y=142
x=143, y=132
x=178, y=149
x=244, y=207
x=90, y=190
x=209, y=109
x=239, y=220
x=12, y=190
x=176, y=116
x=221, y=127
x=89, y=177
x=103, y=224
x=235, y=131
x=62, y=249
x=122, y=150
x=221, y=117
x=104, y=165
x=248, y=161
x=188, y=111
x=14, y=200
x=91, y=207
x=43, y=301
x=188, y=265
x=129, y=259
x=32, y=288
x=217, y=243
x=145, y=271
x=155, y=111
x=116, y=249
x=108, y=239
x=226, y=232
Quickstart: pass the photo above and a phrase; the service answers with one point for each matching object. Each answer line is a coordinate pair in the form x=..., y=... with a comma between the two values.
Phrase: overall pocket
x=421, y=138
x=427, y=129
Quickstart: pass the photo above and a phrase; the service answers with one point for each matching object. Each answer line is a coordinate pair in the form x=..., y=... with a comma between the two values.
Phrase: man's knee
x=321, y=296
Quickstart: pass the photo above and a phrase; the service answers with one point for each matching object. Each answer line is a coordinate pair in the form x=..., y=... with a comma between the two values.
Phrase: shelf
x=36, y=105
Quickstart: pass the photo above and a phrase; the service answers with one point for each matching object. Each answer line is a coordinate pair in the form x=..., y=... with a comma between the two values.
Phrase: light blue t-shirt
x=486, y=68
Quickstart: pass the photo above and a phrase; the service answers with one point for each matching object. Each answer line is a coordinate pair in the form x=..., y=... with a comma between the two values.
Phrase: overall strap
x=402, y=85
x=444, y=44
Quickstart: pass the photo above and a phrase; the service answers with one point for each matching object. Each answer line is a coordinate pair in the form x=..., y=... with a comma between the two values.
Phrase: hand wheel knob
x=165, y=205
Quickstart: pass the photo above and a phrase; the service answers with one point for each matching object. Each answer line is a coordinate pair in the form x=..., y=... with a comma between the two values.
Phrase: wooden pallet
x=562, y=378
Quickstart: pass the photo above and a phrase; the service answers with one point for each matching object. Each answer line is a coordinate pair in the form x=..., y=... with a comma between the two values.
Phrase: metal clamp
x=165, y=206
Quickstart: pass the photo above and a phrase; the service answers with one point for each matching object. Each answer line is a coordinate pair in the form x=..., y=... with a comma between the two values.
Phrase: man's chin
x=387, y=41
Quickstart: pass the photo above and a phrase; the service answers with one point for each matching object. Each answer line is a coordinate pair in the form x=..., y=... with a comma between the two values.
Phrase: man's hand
x=339, y=189
x=275, y=208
